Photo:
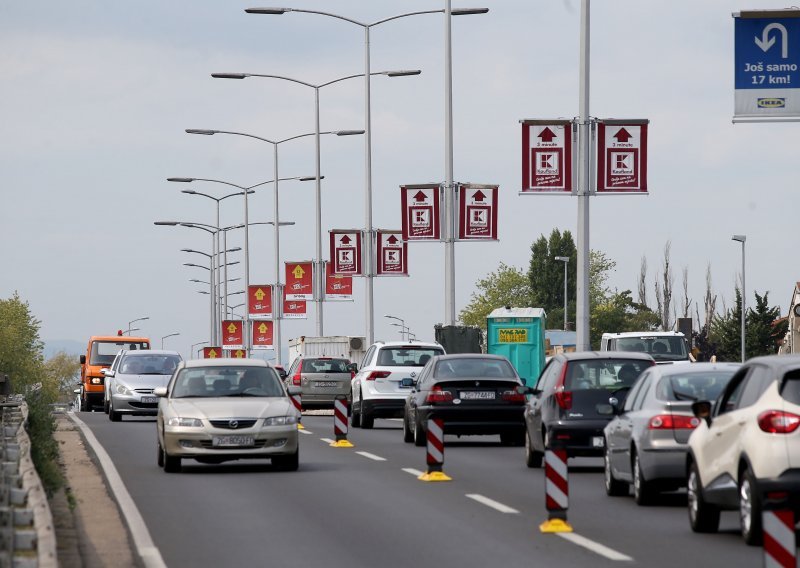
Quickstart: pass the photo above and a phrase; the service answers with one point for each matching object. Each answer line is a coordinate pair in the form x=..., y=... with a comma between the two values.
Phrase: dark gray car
x=321, y=380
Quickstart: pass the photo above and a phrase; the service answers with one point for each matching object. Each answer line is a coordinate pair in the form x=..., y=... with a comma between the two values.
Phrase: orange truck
x=100, y=353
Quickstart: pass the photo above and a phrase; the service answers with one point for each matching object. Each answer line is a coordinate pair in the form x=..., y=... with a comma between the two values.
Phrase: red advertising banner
x=232, y=334
x=299, y=280
x=421, y=212
x=338, y=287
x=622, y=156
x=477, y=212
x=346, y=251
x=262, y=334
x=546, y=156
x=259, y=301
x=238, y=354
x=294, y=309
x=212, y=352
x=392, y=254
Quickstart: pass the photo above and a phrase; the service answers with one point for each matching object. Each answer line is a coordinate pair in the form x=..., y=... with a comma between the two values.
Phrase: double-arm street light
x=168, y=335
x=565, y=260
x=276, y=219
x=742, y=239
x=222, y=281
x=134, y=321
x=191, y=349
x=366, y=26
x=401, y=320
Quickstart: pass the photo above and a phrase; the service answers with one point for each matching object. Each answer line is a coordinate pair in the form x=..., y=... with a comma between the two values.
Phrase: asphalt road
x=359, y=507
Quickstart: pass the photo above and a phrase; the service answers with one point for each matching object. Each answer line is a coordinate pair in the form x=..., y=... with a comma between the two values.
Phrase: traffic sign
x=338, y=287
x=392, y=253
x=622, y=156
x=294, y=309
x=233, y=334
x=299, y=280
x=259, y=301
x=477, y=211
x=346, y=251
x=547, y=156
x=421, y=212
x=262, y=333
x=767, y=63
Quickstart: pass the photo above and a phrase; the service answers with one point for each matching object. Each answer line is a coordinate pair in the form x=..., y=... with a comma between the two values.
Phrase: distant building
x=791, y=342
x=559, y=341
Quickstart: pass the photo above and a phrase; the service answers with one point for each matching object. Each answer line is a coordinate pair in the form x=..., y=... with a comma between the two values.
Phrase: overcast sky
x=96, y=96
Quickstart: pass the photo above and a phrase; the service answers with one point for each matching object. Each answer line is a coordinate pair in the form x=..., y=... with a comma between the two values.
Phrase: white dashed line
x=595, y=547
x=491, y=503
x=305, y=432
x=372, y=456
x=412, y=471
x=327, y=440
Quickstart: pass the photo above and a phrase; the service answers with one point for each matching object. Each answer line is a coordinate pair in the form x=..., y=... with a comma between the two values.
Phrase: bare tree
x=686, y=303
x=710, y=299
x=664, y=291
x=643, y=282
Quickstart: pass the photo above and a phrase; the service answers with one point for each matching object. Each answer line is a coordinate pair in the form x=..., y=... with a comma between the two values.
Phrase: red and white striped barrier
x=435, y=451
x=340, y=423
x=780, y=550
x=297, y=401
x=556, y=488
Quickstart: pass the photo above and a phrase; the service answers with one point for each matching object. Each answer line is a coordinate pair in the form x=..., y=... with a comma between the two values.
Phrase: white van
x=666, y=347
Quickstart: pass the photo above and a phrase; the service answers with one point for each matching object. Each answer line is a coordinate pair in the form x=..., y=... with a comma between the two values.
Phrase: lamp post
x=742, y=239
x=225, y=263
x=134, y=321
x=168, y=335
x=403, y=330
x=276, y=218
x=401, y=320
x=191, y=349
x=565, y=260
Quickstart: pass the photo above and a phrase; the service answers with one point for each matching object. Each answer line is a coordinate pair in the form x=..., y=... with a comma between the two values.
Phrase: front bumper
x=133, y=405
x=198, y=442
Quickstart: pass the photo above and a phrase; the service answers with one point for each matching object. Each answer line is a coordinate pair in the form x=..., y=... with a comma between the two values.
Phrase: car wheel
x=643, y=491
x=160, y=459
x=703, y=517
x=750, y=509
x=84, y=403
x=408, y=435
x=532, y=457
x=355, y=415
x=105, y=405
x=367, y=420
x=112, y=414
x=287, y=463
x=172, y=464
x=614, y=487
x=420, y=439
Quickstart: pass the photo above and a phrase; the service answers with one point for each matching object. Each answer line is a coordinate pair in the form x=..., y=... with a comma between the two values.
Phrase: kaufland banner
x=477, y=212
x=346, y=251
x=421, y=212
x=262, y=332
x=392, y=253
x=259, y=301
x=622, y=156
x=547, y=156
x=338, y=287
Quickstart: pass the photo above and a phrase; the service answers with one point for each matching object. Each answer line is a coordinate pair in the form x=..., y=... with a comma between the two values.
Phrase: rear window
x=407, y=356
x=325, y=366
x=149, y=364
x=199, y=382
x=790, y=390
x=473, y=367
x=103, y=352
x=693, y=386
x=609, y=374
x=661, y=348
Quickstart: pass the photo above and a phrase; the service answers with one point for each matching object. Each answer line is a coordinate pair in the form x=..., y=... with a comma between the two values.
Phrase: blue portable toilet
x=518, y=335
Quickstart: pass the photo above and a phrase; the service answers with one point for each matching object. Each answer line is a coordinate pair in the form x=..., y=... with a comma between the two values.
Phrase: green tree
x=20, y=347
x=546, y=275
x=618, y=312
x=764, y=328
x=506, y=286
x=725, y=332
x=63, y=372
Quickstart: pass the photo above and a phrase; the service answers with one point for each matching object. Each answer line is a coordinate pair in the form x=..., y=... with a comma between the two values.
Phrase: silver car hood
x=231, y=407
x=134, y=382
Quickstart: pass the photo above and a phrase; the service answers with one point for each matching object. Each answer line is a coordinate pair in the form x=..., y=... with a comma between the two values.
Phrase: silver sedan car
x=647, y=441
x=134, y=376
x=215, y=410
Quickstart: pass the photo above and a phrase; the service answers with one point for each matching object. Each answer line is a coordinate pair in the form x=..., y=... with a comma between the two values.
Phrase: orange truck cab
x=100, y=353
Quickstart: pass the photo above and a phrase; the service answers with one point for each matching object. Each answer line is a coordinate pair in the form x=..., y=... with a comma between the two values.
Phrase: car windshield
x=661, y=348
x=406, y=356
x=149, y=364
x=325, y=366
x=210, y=382
x=693, y=386
x=611, y=374
x=474, y=367
x=103, y=352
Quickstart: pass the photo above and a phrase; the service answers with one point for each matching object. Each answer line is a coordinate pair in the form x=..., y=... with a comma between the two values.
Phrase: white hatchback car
x=745, y=454
x=377, y=389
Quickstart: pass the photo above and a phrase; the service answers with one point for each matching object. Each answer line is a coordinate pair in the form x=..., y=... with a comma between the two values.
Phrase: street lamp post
x=168, y=335
x=191, y=349
x=134, y=321
x=565, y=260
x=742, y=239
x=401, y=320
x=404, y=331
x=223, y=265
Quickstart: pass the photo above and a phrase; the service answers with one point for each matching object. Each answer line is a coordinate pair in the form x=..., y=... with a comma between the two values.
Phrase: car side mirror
x=524, y=389
x=82, y=359
x=524, y=381
x=108, y=372
x=702, y=410
x=294, y=390
x=76, y=391
x=408, y=382
x=160, y=391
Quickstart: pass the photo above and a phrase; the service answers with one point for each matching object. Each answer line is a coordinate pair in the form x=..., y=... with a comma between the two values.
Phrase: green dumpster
x=518, y=335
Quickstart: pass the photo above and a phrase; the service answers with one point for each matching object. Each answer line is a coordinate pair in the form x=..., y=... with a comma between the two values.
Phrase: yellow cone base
x=435, y=476
x=342, y=444
x=555, y=526
x=300, y=426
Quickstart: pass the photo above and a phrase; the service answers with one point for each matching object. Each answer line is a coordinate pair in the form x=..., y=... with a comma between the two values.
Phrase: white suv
x=745, y=454
x=377, y=388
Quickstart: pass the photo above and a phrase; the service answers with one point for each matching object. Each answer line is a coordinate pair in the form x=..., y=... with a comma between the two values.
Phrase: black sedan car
x=474, y=394
x=569, y=406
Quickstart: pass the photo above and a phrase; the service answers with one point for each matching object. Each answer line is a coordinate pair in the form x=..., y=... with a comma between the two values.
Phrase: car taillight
x=778, y=422
x=436, y=394
x=673, y=422
x=513, y=396
x=377, y=375
x=296, y=379
x=563, y=397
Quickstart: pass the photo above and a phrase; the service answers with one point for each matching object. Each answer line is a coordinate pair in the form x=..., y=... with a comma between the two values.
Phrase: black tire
x=614, y=487
x=408, y=435
x=750, y=509
x=367, y=420
x=533, y=458
x=643, y=491
x=420, y=439
x=160, y=459
x=355, y=415
x=172, y=464
x=84, y=403
x=703, y=517
x=105, y=405
x=112, y=414
x=287, y=463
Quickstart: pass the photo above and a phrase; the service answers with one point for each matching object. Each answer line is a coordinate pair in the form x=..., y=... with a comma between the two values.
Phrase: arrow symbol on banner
x=345, y=240
x=212, y=354
x=479, y=196
x=547, y=135
x=260, y=294
x=766, y=42
x=623, y=135
x=232, y=328
x=420, y=196
x=262, y=328
x=392, y=240
x=298, y=272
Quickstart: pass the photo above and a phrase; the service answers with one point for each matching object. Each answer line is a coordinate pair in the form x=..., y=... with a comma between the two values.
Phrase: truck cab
x=100, y=353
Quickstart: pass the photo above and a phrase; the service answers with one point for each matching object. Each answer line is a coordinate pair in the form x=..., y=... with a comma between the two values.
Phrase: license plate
x=326, y=384
x=150, y=399
x=477, y=395
x=598, y=442
x=233, y=441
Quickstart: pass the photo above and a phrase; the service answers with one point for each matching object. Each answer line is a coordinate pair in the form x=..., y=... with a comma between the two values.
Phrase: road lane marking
x=305, y=432
x=491, y=503
x=412, y=471
x=595, y=547
x=327, y=440
x=372, y=456
x=148, y=552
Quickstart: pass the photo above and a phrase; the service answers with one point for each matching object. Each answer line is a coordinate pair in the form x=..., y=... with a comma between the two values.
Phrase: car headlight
x=122, y=389
x=185, y=422
x=280, y=420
